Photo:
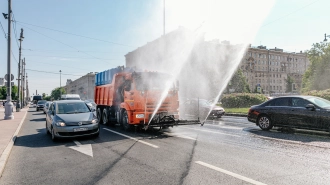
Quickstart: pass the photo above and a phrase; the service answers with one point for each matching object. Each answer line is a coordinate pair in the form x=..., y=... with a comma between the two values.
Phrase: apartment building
x=269, y=69
x=84, y=86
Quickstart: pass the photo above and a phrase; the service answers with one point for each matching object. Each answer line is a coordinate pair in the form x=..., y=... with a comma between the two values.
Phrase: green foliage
x=56, y=93
x=316, y=76
x=238, y=100
x=48, y=98
x=239, y=83
x=3, y=92
x=289, y=82
x=323, y=94
x=14, y=92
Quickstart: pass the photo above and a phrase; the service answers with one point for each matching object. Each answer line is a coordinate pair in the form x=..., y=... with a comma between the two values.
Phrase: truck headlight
x=139, y=115
x=60, y=124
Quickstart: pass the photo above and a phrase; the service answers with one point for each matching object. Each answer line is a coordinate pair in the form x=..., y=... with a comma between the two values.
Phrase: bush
x=238, y=100
x=323, y=94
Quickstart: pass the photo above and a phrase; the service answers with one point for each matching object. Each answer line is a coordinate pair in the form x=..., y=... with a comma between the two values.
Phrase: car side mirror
x=310, y=106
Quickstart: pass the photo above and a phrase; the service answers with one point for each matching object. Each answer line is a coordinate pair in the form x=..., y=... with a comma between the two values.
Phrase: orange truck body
x=134, y=98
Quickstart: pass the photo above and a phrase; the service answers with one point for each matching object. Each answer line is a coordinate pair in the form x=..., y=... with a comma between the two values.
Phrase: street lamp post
x=325, y=37
x=60, y=84
x=9, y=105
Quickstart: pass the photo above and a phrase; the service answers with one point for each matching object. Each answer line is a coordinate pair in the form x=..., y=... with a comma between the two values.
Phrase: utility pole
x=18, y=104
x=60, y=85
x=9, y=105
x=27, y=88
x=23, y=83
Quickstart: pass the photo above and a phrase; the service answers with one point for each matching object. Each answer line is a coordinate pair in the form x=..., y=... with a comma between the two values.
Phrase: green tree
x=316, y=76
x=56, y=93
x=14, y=92
x=239, y=83
x=289, y=81
x=3, y=92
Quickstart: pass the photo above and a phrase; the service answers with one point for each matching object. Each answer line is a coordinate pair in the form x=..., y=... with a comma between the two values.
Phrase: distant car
x=46, y=107
x=71, y=118
x=40, y=105
x=91, y=104
x=305, y=112
x=201, y=109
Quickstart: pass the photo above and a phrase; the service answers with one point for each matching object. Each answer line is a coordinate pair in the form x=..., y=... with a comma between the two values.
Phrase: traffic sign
x=11, y=77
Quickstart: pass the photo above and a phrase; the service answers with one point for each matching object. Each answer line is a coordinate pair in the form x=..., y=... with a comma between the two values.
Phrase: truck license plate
x=79, y=129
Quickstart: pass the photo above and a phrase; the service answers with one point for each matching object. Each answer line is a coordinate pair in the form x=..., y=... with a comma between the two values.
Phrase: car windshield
x=323, y=103
x=41, y=102
x=72, y=108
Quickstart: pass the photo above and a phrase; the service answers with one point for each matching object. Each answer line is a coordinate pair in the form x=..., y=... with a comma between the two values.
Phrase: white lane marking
x=85, y=149
x=129, y=137
x=181, y=136
x=213, y=132
x=230, y=173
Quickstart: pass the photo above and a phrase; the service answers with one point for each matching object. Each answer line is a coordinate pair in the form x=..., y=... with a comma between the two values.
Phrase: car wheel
x=53, y=135
x=105, y=117
x=99, y=115
x=124, y=121
x=264, y=122
x=47, y=131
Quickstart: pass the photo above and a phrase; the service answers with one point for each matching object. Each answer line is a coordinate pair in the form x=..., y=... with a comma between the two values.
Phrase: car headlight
x=139, y=116
x=60, y=124
x=94, y=121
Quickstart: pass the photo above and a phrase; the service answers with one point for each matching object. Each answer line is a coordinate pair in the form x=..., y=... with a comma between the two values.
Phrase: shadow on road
x=291, y=134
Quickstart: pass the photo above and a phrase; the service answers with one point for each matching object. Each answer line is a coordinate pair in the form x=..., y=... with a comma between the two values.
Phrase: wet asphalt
x=229, y=150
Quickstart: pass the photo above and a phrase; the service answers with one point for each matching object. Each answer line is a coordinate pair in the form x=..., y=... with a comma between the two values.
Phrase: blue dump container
x=102, y=78
x=96, y=82
x=105, y=76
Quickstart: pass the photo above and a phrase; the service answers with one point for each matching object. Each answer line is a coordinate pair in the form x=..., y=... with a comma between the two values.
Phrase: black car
x=40, y=105
x=305, y=112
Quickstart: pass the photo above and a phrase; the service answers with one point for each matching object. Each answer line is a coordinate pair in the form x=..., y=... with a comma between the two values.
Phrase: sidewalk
x=9, y=130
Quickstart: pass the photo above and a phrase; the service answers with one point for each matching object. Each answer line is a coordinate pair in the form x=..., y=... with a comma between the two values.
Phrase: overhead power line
x=3, y=30
x=290, y=13
x=63, y=57
x=19, y=22
x=49, y=72
x=42, y=50
x=15, y=31
x=65, y=44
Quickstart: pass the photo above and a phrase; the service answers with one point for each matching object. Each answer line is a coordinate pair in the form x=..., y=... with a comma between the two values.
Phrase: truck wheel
x=99, y=115
x=105, y=117
x=124, y=121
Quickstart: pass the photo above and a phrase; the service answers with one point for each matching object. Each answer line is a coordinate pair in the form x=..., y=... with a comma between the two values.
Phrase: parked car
x=46, y=107
x=202, y=108
x=305, y=112
x=71, y=118
x=40, y=105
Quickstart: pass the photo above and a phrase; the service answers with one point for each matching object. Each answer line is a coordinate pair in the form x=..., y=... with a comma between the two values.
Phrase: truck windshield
x=152, y=81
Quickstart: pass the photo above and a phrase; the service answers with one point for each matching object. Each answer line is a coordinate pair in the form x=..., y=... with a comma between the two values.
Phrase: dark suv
x=41, y=104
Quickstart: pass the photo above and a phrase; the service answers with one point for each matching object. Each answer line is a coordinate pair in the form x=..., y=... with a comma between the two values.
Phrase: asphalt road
x=226, y=151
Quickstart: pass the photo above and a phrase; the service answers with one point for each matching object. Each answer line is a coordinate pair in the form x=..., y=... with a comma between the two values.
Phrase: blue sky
x=112, y=28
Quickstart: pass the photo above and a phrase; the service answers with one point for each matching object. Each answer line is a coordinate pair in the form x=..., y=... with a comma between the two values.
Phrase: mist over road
x=229, y=150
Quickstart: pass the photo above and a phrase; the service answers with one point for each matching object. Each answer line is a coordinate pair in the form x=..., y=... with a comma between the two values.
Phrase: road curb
x=5, y=155
x=235, y=114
